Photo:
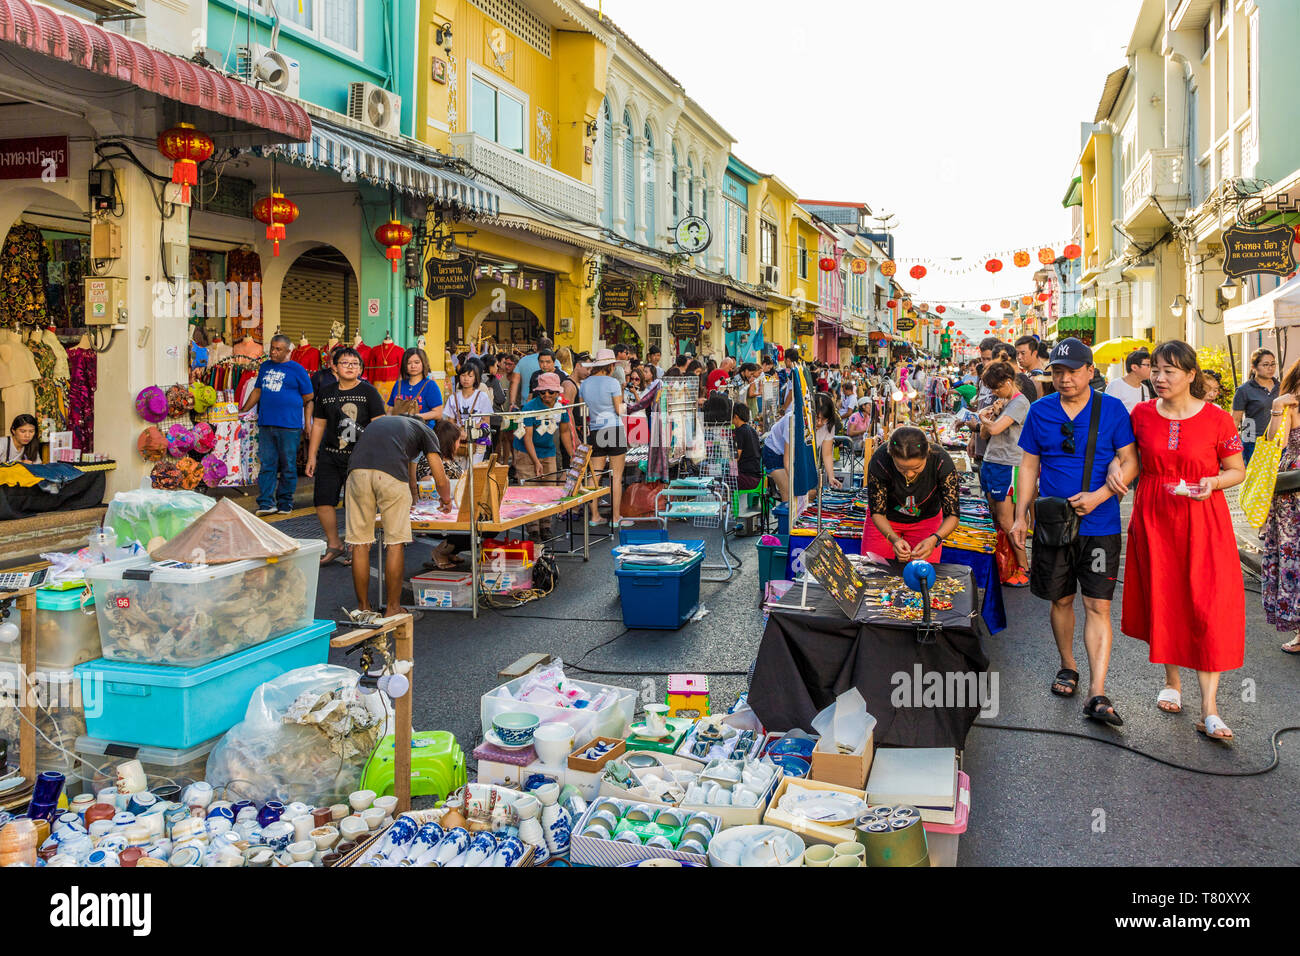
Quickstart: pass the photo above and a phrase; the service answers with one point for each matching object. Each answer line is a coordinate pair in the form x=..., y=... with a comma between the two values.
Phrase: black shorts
x=1091, y=563
x=331, y=476
x=611, y=440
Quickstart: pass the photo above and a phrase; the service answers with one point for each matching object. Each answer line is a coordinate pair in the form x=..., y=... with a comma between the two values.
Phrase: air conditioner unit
x=376, y=108
x=268, y=69
x=771, y=275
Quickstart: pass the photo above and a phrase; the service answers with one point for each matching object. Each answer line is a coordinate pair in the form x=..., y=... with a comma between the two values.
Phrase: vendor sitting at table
x=913, y=494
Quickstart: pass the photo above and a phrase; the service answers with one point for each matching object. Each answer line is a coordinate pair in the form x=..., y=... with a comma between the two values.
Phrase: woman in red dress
x=1183, y=592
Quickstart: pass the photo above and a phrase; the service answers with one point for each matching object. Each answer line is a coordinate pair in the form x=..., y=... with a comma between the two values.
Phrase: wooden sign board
x=1258, y=251
x=618, y=296
x=450, y=277
x=577, y=470
x=686, y=324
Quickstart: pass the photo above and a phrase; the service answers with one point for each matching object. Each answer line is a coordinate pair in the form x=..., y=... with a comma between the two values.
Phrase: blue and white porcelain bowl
x=515, y=729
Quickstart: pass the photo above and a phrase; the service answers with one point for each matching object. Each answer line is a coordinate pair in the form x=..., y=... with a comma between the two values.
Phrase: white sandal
x=1170, y=696
x=1211, y=727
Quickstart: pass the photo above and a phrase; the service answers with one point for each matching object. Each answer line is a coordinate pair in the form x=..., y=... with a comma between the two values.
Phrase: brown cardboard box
x=811, y=831
x=846, y=770
x=578, y=762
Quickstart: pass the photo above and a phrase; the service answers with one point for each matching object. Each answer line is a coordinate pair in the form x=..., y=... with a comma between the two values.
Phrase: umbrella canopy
x=1114, y=350
x=1273, y=310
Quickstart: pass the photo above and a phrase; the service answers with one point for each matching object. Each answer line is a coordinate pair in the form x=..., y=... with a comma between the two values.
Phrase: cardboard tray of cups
x=665, y=762
x=810, y=830
x=719, y=751
x=579, y=762
x=594, y=851
x=732, y=816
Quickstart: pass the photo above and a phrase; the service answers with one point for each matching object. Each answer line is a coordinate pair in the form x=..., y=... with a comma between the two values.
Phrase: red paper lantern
x=1021, y=259
x=951, y=323
x=993, y=323
x=993, y=265
x=1072, y=251
x=917, y=272
x=1043, y=296
x=892, y=303
x=186, y=147
x=941, y=310
x=858, y=266
x=826, y=263
x=1046, y=255
x=277, y=212
x=888, y=267
x=985, y=307
x=393, y=235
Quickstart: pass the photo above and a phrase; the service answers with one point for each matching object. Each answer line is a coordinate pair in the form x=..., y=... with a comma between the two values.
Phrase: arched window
x=705, y=179
x=629, y=177
x=677, y=206
x=648, y=173
x=690, y=187
x=607, y=161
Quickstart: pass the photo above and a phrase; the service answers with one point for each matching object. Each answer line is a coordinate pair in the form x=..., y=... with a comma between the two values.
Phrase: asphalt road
x=1037, y=798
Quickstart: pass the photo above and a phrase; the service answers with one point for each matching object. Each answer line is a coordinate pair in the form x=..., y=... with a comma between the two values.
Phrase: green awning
x=1083, y=322
x=1074, y=195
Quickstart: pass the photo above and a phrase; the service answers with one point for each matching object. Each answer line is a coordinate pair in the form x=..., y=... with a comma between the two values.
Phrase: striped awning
x=383, y=165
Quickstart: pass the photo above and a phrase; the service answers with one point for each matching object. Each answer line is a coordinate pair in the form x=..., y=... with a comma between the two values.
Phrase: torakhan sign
x=618, y=296
x=1255, y=251
x=37, y=157
x=686, y=324
x=905, y=324
x=738, y=322
x=450, y=277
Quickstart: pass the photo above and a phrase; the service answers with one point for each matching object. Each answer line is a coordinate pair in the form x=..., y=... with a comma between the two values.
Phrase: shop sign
x=686, y=324
x=36, y=157
x=1258, y=251
x=738, y=322
x=803, y=326
x=450, y=277
x=905, y=324
x=619, y=296
x=846, y=341
x=692, y=235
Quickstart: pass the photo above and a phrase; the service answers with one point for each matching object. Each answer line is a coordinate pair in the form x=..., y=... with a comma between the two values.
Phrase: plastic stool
x=437, y=765
x=755, y=496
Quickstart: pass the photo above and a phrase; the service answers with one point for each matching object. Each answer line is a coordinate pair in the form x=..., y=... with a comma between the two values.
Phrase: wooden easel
x=402, y=629
x=25, y=601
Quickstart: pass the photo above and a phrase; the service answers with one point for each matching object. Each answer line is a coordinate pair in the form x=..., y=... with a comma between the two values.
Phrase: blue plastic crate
x=782, y=512
x=661, y=598
x=161, y=706
x=642, y=535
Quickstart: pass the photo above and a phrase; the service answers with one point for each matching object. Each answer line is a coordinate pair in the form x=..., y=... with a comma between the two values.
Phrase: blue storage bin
x=177, y=707
x=661, y=598
x=782, y=512
x=641, y=535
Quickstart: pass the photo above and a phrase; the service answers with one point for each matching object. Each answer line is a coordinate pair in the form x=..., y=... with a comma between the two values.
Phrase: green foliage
x=1213, y=358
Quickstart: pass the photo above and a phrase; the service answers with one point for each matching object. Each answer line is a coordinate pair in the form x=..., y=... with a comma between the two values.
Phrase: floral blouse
x=935, y=491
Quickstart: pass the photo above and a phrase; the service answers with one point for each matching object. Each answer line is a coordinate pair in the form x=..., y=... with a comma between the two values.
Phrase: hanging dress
x=83, y=367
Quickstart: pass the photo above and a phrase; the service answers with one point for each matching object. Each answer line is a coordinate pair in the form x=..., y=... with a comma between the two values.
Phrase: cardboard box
x=591, y=851
x=666, y=762
x=847, y=770
x=588, y=784
x=579, y=762
x=500, y=774
x=730, y=816
x=811, y=831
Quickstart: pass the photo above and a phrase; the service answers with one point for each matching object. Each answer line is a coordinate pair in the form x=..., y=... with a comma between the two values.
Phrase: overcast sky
x=961, y=118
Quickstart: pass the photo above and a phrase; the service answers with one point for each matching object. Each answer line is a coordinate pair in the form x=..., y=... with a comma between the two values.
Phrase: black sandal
x=332, y=555
x=1066, y=678
x=1095, y=710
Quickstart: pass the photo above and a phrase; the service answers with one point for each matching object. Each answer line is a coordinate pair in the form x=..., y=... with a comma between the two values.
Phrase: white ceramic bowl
x=723, y=847
x=361, y=799
x=553, y=743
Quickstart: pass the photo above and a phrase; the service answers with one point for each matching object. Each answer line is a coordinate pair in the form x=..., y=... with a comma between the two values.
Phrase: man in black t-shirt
x=342, y=412
x=749, y=459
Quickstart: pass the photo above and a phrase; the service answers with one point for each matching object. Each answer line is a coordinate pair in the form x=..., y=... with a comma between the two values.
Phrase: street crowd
x=1056, y=447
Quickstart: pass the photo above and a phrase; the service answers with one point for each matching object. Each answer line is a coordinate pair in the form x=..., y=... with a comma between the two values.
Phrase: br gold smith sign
x=1258, y=251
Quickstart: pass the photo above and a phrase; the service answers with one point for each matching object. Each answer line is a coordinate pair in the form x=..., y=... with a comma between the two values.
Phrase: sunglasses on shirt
x=1067, y=445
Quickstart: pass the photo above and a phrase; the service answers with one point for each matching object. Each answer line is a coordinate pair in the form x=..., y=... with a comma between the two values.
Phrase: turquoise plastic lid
x=69, y=600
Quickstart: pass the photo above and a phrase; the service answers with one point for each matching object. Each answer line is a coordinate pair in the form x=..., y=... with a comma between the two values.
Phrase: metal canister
x=895, y=840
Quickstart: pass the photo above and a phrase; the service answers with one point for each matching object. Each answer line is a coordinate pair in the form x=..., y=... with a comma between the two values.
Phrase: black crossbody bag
x=1056, y=524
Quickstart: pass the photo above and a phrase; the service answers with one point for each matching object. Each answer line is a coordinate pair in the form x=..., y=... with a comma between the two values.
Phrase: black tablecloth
x=84, y=492
x=808, y=658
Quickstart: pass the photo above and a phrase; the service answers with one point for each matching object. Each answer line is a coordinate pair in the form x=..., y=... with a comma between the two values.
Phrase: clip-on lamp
x=919, y=575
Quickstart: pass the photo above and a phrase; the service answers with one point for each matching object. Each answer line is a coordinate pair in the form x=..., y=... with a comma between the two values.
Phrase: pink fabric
x=873, y=542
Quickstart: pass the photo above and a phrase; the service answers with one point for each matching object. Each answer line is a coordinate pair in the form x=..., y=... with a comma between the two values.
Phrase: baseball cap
x=548, y=382
x=1071, y=353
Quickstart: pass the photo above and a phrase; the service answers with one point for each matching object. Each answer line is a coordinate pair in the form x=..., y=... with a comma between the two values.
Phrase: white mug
x=656, y=718
x=303, y=824
x=130, y=777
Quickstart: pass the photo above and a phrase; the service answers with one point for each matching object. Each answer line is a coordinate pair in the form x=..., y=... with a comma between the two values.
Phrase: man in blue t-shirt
x=1055, y=440
x=283, y=396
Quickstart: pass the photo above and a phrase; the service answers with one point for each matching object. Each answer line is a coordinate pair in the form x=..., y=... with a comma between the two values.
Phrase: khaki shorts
x=370, y=492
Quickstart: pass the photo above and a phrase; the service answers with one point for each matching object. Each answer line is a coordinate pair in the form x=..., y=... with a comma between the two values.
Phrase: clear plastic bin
x=65, y=634
x=612, y=720
x=501, y=577
x=60, y=718
x=184, y=617
x=162, y=765
x=443, y=590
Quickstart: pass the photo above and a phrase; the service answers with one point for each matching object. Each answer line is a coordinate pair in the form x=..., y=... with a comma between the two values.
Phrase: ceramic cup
x=325, y=837
x=700, y=831
x=605, y=817
x=691, y=844
x=372, y=818
x=851, y=848
x=553, y=743
x=259, y=854
x=338, y=811
x=278, y=835
x=303, y=824
x=82, y=802
x=627, y=836
x=361, y=799
x=388, y=804
x=302, y=850
x=846, y=861
x=130, y=777
x=662, y=842
x=323, y=816
x=670, y=818
x=352, y=828
x=656, y=719
x=597, y=830
x=638, y=815
x=330, y=859
x=818, y=855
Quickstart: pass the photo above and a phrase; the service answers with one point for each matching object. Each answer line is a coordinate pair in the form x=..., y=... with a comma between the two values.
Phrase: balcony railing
x=527, y=177
x=1161, y=173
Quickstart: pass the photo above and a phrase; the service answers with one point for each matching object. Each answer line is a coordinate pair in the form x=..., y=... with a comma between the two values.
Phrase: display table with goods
x=972, y=543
